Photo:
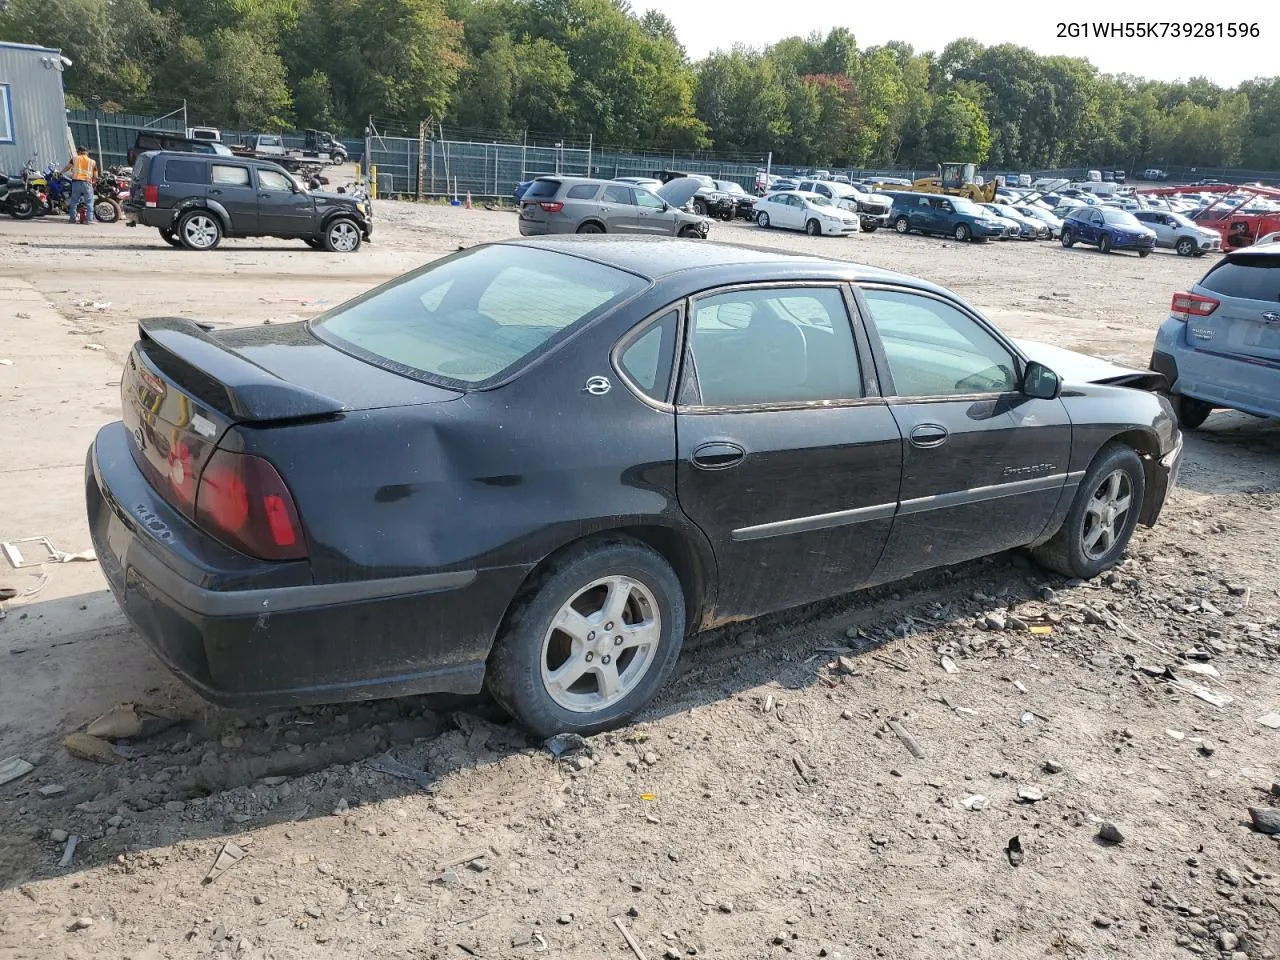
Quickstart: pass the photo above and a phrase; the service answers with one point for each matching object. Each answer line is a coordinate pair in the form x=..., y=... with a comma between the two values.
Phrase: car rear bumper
x=1249, y=384
x=541, y=228
x=250, y=633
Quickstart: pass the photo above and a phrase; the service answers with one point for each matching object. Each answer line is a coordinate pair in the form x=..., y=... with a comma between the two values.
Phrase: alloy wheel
x=1105, y=514
x=200, y=231
x=600, y=644
x=344, y=237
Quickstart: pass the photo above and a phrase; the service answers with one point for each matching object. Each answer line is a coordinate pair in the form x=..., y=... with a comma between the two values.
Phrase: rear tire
x=591, y=228
x=902, y=225
x=199, y=230
x=1068, y=239
x=313, y=243
x=813, y=228
x=1094, y=535
x=870, y=227
x=1191, y=412
x=1185, y=247
x=1104, y=243
x=531, y=647
x=22, y=206
x=169, y=237
x=107, y=210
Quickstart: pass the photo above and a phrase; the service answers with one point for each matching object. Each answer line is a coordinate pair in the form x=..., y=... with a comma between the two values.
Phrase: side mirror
x=1040, y=383
x=665, y=206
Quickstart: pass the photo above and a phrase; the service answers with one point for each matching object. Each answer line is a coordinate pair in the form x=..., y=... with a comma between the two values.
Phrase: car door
x=983, y=465
x=787, y=457
x=283, y=209
x=618, y=205
x=652, y=215
x=788, y=208
x=1097, y=226
x=231, y=187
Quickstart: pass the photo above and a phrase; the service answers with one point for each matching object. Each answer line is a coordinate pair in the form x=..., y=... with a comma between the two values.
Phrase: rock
x=1111, y=832
x=115, y=821
x=1237, y=589
x=1198, y=930
x=1239, y=955
x=726, y=907
x=1227, y=875
x=1227, y=940
x=1017, y=623
x=1207, y=748
x=1052, y=766
x=672, y=953
x=564, y=919
x=259, y=899
x=85, y=747
x=1275, y=789
x=80, y=923
x=847, y=665
x=1030, y=794
x=993, y=621
x=1265, y=819
x=1101, y=921
x=633, y=913
x=324, y=869
x=175, y=806
x=58, y=836
x=479, y=865
x=52, y=790
x=341, y=807
x=273, y=781
x=650, y=758
x=581, y=763
x=1101, y=661
x=848, y=715
x=1048, y=594
x=315, y=913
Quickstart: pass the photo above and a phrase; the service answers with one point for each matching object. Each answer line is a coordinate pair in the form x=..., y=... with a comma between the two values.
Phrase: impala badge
x=1271, y=316
x=597, y=386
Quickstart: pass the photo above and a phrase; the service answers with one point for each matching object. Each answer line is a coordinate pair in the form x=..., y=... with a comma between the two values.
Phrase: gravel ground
x=770, y=803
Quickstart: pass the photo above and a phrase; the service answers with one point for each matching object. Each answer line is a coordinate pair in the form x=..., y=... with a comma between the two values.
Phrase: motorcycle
x=110, y=189
x=54, y=189
x=17, y=198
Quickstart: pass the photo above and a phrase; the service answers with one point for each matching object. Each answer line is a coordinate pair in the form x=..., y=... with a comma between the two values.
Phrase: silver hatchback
x=581, y=205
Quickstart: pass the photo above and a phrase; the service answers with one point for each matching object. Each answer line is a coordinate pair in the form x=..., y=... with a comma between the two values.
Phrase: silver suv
x=580, y=205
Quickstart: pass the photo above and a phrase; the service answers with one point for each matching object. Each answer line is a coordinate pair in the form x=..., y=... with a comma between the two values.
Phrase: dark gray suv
x=581, y=205
x=195, y=200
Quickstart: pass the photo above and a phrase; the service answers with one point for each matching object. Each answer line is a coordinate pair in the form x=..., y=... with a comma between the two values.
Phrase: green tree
x=958, y=130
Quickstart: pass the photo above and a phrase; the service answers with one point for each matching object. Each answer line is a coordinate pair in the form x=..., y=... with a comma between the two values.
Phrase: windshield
x=965, y=205
x=474, y=315
x=1180, y=220
x=1120, y=218
x=819, y=201
x=730, y=186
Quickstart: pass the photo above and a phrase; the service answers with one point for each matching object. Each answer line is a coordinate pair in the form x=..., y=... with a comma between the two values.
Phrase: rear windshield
x=542, y=189
x=1255, y=277
x=186, y=171
x=477, y=314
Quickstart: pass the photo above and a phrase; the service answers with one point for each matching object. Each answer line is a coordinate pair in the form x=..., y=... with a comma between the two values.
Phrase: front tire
x=700, y=208
x=962, y=232
x=1068, y=239
x=342, y=235
x=870, y=227
x=1104, y=243
x=1102, y=516
x=690, y=233
x=813, y=228
x=22, y=206
x=1185, y=247
x=199, y=230
x=902, y=225
x=592, y=640
x=762, y=220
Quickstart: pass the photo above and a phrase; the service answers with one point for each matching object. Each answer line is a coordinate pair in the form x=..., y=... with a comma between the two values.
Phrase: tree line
x=575, y=68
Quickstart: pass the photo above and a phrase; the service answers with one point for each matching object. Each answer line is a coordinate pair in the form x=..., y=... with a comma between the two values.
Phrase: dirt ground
x=764, y=807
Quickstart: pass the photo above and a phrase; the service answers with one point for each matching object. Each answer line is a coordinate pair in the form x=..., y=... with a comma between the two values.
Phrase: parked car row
x=583, y=205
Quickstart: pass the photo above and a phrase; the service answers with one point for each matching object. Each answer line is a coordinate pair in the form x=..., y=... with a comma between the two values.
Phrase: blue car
x=934, y=213
x=1107, y=228
x=521, y=187
x=1220, y=346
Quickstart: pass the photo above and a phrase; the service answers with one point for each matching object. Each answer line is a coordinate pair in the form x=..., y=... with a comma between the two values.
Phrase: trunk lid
x=1246, y=323
x=184, y=387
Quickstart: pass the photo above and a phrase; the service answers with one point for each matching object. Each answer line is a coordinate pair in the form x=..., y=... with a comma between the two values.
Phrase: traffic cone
x=468, y=203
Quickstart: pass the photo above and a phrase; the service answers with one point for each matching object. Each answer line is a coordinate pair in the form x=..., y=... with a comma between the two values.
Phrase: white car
x=1175, y=231
x=815, y=215
x=1044, y=215
x=1028, y=227
x=1268, y=239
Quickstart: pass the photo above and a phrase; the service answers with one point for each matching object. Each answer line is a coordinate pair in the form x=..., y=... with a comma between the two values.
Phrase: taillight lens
x=551, y=207
x=151, y=194
x=1188, y=305
x=243, y=502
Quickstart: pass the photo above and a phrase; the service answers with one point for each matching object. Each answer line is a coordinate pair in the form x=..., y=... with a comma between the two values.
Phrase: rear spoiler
x=202, y=365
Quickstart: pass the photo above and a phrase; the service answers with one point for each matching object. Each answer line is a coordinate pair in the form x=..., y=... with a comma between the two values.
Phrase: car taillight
x=151, y=194
x=243, y=502
x=1188, y=305
x=552, y=207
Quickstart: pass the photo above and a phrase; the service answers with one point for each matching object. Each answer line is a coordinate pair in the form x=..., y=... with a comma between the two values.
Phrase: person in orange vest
x=83, y=174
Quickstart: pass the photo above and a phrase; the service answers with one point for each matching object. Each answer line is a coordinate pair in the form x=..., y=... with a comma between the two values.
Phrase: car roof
x=657, y=258
x=215, y=158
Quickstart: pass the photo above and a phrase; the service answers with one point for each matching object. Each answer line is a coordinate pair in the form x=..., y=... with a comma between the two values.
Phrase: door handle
x=717, y=455
x=215, y=193
x=926, y=435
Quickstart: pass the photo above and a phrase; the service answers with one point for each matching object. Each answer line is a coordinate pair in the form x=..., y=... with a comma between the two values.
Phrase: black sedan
x=538, y=465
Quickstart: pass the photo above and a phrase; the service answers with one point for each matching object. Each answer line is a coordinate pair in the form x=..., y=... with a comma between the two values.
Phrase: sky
x=705, y=25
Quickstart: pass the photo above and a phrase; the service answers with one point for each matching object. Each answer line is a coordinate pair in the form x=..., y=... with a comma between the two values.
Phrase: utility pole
x=423, y=127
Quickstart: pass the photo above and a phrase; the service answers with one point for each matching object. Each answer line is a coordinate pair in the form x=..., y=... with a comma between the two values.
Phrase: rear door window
x=617, y=194
x=186, y=171
x=1254, y=277
x=229, y=176
x=582, y=191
